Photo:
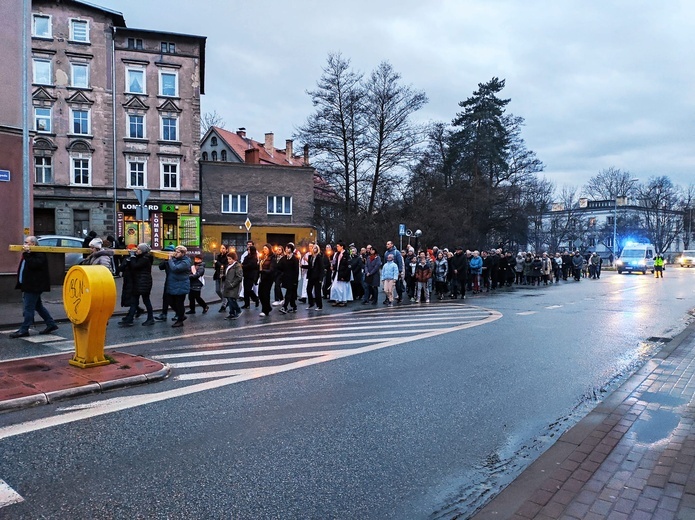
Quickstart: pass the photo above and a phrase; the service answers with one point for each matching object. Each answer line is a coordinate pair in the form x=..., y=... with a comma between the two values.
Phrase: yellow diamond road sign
x=248, y=225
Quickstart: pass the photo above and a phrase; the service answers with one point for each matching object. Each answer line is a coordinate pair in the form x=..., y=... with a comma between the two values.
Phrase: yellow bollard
x=89, y=297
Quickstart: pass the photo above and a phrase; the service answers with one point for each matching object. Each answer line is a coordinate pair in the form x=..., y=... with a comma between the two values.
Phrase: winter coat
x=355, y=264
x=101, y=257
x=197, y=279
x=546, y=266
x=423, y=272
x=519, y=264
x=140, y=267
x=267, y=267
x=458, y=265
x=220, y=265
x=577, y=261
x=341, y=270
x=250, y=268
x=233, y=275
x=476, y=265
x=389, y=271
x=289, y=267
x=372, y=274
x=177, y=282
x=35, y=275
x=316, y=268
x=441, y=268
x=397, y=257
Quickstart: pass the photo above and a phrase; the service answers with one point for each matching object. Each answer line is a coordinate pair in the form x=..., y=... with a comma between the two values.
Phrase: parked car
x=687, y=258
x=63, y=241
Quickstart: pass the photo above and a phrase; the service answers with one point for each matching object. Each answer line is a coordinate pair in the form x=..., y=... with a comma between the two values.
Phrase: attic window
x=168, y=48
x=135, y=43
x=213, y=141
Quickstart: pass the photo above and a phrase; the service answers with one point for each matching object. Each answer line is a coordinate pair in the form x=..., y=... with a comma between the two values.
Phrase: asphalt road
x=409, y=412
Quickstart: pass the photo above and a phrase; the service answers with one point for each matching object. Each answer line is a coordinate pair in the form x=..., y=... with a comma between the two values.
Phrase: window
x=136, y=126
x=235, y=203
x=42, y=71
x=136, y=174
x=223, y=155
x=169, y=128
x=41, y=26
x=43, y=166
x=135, y=81
x=42, y=119
x=213, y=141
x=168, y=48
x=170, y=175
x=279, y=205
x=135, y=43
x=79, y=31
x=80, y=75
x=168, y=84
x=214, y=156
x=205, y=156
x=80, y=122
x=81, y=171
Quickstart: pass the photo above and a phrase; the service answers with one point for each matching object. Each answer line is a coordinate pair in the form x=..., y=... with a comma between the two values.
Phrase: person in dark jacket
x=178, y=284
x=33, y=279
x=289, y=267
x=356, y=265
x=459, y=271
x=278, y=253
x=267, y=267
x=250, y=267
x=341, y=291
x=328, y=271
x=372, y=276
x=197, y=280
x=218, y=275
x=137, y=273
x=85, y=243
x=314, y=278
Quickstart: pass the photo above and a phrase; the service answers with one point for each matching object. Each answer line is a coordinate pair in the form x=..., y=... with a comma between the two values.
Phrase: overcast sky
x=599, y=83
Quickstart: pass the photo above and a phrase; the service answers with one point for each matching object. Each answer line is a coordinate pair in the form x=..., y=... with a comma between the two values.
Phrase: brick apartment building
x=114, y=109
x=274, y=189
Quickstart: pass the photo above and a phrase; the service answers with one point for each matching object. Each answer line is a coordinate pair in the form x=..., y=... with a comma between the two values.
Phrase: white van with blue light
x=636, y=257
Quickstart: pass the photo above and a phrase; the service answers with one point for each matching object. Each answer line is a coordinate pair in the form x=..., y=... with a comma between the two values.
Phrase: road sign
x=401, y=229
x=142, y=213
x=247, y=224
x=142, y=196
x=5, y=175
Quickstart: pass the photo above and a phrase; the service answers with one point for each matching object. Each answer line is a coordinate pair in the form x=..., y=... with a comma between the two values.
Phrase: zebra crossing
x=258, y=350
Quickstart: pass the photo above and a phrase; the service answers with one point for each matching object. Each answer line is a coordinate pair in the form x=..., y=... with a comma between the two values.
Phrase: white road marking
x=553, y=306
x=526, y=313
x=8, y=496
x=107, y=406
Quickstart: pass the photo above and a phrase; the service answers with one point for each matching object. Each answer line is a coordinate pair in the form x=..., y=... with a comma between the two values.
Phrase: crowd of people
x=280, y=277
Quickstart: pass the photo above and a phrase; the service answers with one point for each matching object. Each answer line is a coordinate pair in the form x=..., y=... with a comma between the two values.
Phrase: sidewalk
x=632, y=457
x=46, y=379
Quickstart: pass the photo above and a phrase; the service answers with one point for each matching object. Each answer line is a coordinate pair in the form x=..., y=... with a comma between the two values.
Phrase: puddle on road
x=654, y=426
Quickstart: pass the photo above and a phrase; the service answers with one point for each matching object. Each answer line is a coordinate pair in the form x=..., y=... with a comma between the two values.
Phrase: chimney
x=288, y=150
x=252, y=156
x=306, y=155
x=269, y=143
x=241, y=132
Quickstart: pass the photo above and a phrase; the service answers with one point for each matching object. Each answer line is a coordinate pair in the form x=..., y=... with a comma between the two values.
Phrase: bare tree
x=211, y=119
x=661, y=204
x=610, y=184
x=565, y=223
x=393, y=138
x=688, y=202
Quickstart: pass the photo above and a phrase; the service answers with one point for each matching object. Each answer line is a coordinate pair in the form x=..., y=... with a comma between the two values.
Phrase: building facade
x=114, y=109
x=252, y=190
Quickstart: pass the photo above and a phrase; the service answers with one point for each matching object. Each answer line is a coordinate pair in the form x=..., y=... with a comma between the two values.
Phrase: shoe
x=175, y=318
x=223, y=308
x=230, y=317
x=148, y=322
x=235, y=316
x=398, y=300
x=278, y=303
x=263, y=315
x=245, y=306
x=294, y=309
x=190, y=312
x=302, y=300
x=161, y=317
x=365, y=303
x=282, y=310
x=178, y=324
x=18, y=334
x=206, y=309
x=342, y=304
x=427, y=301
x=319, y=308
x=310, y=308
x=49, y=329
x=125, y=323
x=257, y=304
